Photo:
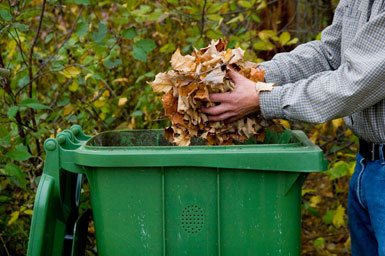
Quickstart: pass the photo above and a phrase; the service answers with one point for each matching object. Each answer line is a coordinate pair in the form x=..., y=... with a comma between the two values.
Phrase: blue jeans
x=366, y=208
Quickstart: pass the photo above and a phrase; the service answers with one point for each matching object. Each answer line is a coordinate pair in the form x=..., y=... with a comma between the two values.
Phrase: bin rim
x=300, y=156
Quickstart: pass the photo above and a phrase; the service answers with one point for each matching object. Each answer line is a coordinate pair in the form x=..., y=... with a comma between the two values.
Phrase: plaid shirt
x=343, y=75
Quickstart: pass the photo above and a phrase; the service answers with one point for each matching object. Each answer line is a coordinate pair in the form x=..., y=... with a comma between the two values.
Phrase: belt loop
x=381, y=153
x=372, y=151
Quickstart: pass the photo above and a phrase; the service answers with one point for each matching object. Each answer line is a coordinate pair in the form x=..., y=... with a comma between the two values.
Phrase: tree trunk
x=279, y=15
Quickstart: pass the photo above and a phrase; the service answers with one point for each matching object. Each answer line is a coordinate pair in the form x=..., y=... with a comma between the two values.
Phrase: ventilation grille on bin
x=192, y=219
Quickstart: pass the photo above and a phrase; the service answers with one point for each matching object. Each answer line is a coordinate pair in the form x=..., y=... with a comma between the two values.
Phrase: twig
x=18, y=43
x=19, y=121
x=203, y=18
x=4, y=245
x=312, y=237
x=30, y=70
x=340, y=149
x=34, y=42
x=62, y=44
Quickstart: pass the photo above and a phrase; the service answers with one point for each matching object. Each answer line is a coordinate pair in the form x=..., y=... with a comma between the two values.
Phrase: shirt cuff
x=270, y=103
x=272, y=72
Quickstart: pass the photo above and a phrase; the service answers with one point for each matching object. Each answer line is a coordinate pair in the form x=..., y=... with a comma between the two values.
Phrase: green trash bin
x=151, y=198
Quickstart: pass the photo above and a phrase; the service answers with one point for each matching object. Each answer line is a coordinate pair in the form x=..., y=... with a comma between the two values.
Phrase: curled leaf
x=182, y=63
x=162, y=83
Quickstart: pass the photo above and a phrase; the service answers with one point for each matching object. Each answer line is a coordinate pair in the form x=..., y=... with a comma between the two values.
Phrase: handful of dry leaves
x=187, y=87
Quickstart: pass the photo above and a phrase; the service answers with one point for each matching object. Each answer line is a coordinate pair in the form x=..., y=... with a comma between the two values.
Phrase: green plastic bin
x=151, y=198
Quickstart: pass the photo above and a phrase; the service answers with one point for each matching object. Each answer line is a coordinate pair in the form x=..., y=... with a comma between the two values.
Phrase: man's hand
x=234, y=105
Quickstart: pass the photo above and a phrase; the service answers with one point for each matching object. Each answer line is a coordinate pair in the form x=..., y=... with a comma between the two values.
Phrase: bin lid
x=283, y=151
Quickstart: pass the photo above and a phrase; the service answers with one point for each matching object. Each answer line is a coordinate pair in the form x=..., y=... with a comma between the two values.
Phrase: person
x=341, y=75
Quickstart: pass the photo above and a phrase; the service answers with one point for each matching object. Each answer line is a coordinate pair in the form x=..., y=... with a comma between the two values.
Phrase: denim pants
x=366, y=207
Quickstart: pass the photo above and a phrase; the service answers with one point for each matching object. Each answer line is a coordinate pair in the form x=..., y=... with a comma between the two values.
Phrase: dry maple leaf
x=187, y=87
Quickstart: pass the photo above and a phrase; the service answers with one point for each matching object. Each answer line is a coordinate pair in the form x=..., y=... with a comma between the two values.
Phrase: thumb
x=232, y=73
x=235, y=76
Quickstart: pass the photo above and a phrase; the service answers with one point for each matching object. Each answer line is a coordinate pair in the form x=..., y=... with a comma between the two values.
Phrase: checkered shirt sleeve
x=341, y=75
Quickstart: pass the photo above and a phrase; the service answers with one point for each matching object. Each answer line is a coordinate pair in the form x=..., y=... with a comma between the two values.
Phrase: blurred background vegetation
x=86, y=62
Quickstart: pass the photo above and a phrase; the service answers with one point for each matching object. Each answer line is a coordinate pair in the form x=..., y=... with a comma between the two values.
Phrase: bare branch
x=30, y=87
x=18, y=43
x=33, y=47
x=203, y=18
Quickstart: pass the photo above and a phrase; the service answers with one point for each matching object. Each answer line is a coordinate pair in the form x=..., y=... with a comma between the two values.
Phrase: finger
x=219, y=97
x=235, y=76
x=216, y=110
x=221, y=117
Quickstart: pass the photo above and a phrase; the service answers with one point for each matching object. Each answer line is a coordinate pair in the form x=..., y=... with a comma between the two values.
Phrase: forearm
x=357, y=84
x=301, y=63
x=310, y=58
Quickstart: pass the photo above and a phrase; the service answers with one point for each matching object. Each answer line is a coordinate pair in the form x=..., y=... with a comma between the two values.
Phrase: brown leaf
x=162, y=83
x=236, y=56
x=182, y=63
x=188, y=89
x=257, y=74
x=216, y=76
x=202, y=94
x=220, y=45
x=169, y=104
x=177, y=119
x=181, y=138
x=183, y=104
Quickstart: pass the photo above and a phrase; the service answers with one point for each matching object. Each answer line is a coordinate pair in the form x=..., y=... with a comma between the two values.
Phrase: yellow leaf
x=324, y=127
x=352, y=167
x=265, y=35
x=284, y=38
x=339, y=217
x=348, y=133
x=14, y=217
x=238, y=18
x=102, y=116
x=319, y=243
x=314, y=137
x=122, y=101
x=68, y=109
x=285, y=123
x=74, y=86
x=37, y=2
x=120, y=80
x=89, y=75
x=337, y=123
x=262, y=5
x=314, y=201
x=11, y=47
x=70, y=72
x=106, y=93
x=28, y=212
x=100, y=102
x=306, y=191
x=347, y=244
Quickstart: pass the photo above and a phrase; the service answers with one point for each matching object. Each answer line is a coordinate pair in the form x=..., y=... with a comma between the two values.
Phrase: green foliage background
x=86, y=62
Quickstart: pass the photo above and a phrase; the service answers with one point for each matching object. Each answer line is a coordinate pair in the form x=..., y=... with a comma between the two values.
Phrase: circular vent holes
x=192, y=219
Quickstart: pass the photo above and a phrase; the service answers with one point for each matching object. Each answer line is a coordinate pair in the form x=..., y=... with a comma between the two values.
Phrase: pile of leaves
x=186, y=88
